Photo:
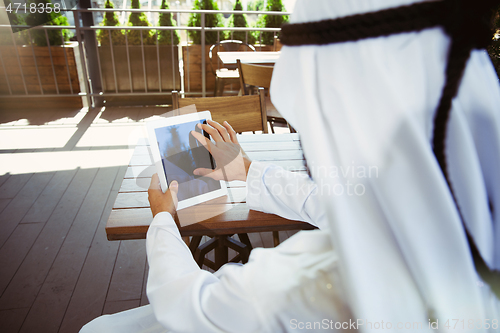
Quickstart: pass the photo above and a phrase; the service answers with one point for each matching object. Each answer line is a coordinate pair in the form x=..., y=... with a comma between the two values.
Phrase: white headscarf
x=369, y=105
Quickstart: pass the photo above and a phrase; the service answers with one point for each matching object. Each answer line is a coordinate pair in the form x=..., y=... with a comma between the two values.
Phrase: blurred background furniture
x=253, y=76
x=260, y=58
x=228, y=74
x=244, y=113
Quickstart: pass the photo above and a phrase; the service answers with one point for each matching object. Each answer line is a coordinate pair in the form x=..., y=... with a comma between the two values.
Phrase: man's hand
x=162, y=202
x=232, y=162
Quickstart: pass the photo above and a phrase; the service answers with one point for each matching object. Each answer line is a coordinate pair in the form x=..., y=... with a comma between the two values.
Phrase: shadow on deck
x=60, y=171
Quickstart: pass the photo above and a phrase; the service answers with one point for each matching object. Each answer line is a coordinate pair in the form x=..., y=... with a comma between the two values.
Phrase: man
x=395, y=254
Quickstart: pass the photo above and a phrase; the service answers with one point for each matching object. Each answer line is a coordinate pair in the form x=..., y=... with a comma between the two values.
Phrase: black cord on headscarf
x=468, y=25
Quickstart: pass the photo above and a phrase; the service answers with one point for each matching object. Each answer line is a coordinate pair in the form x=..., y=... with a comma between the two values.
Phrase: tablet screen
x=181, y=154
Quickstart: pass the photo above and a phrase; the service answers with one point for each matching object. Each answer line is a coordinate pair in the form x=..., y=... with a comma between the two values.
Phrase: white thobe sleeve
x=292, y=195
x=186, y=298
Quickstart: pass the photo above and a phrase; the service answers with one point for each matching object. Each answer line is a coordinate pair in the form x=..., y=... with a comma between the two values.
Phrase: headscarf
x=370, y=105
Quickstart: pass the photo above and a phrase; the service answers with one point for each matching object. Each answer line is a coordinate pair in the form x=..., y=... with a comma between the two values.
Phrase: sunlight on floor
x=64, y=160
x=35, y=137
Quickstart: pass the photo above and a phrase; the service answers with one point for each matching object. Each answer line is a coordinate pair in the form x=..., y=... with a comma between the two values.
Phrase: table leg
x=195, y=242
x=245, y=240
x=221, y=253
x=276, y=238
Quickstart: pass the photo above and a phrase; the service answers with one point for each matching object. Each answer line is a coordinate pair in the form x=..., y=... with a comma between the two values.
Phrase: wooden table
x=264, y=57
x=130, y=217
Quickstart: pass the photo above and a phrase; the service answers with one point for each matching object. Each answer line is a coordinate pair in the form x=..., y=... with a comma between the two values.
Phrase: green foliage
x=38, y=35
x=240, y=20
x=166, y=20
x=272, y=21
x=211, y=20
x=139, y=19
x=111, y=20
x=256, y=5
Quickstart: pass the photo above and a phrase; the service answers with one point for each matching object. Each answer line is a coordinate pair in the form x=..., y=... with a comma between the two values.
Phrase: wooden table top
x=264, y=57
x=131, y=216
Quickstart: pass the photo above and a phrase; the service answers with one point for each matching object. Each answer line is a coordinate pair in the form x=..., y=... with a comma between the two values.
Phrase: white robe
x=369, y=104
x=288, y=287
x=402, y=253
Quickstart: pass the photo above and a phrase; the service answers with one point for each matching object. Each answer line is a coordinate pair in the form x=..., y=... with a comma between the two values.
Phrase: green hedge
x=272, y=21
x=239, y=20
x=166, y=20
x=211, y=20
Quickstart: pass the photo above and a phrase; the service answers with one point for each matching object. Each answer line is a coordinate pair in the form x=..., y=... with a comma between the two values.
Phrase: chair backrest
x=244, y=113
x=227, y=45
x=254, y=75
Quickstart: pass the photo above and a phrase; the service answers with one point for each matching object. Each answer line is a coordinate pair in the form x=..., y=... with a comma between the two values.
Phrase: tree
x=38, y=37
x=256, y=5
x=110, y=19
x=240, y=20
x=139, y=19
x=272, y=21
x=211, y=20
x=165, y=20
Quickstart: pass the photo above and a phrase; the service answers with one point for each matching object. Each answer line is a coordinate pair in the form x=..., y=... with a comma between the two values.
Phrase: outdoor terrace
x=60, y=171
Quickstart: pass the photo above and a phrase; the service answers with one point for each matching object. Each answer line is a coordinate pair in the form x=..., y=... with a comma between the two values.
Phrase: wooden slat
x=14, y=212
x=264, y=156
x=277, y=155
x=242, y=112
x=42, y=102
x=142, y=184
x=48, y=310
x=89, y=294
x=144, y=297
x=28, y=279
x=12, y=319
x=140, y=199
x=46, y=203
x=118, y=306
x=4, y=203
x=126, y=283
x=247, y=146
x=267, y=138
x=13, y=185
x=15, y=249
x=237, y=218
x=148, y=171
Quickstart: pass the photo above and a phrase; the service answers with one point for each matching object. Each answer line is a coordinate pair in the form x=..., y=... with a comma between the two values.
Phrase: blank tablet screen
x=181, y=154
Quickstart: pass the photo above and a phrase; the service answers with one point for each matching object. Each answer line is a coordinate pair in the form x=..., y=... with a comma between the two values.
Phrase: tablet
x=177, y=153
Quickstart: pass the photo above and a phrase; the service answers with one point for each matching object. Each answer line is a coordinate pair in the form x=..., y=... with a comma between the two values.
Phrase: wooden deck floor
x=60, y=172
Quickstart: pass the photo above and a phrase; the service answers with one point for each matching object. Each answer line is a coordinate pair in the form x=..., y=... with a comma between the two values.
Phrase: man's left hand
x=162, y=202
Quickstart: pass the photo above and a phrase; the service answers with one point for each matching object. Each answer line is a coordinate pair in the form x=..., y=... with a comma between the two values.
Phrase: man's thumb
x=203, y=172
x=174, y=188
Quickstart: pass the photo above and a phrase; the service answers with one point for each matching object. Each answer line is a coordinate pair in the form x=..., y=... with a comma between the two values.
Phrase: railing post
x=82, y=58
x=89, y=37
x=203, y=65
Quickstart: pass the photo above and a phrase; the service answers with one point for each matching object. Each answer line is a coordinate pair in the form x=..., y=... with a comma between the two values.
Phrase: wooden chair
x=260, y=76
x=226, y=75
x=244, y=113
